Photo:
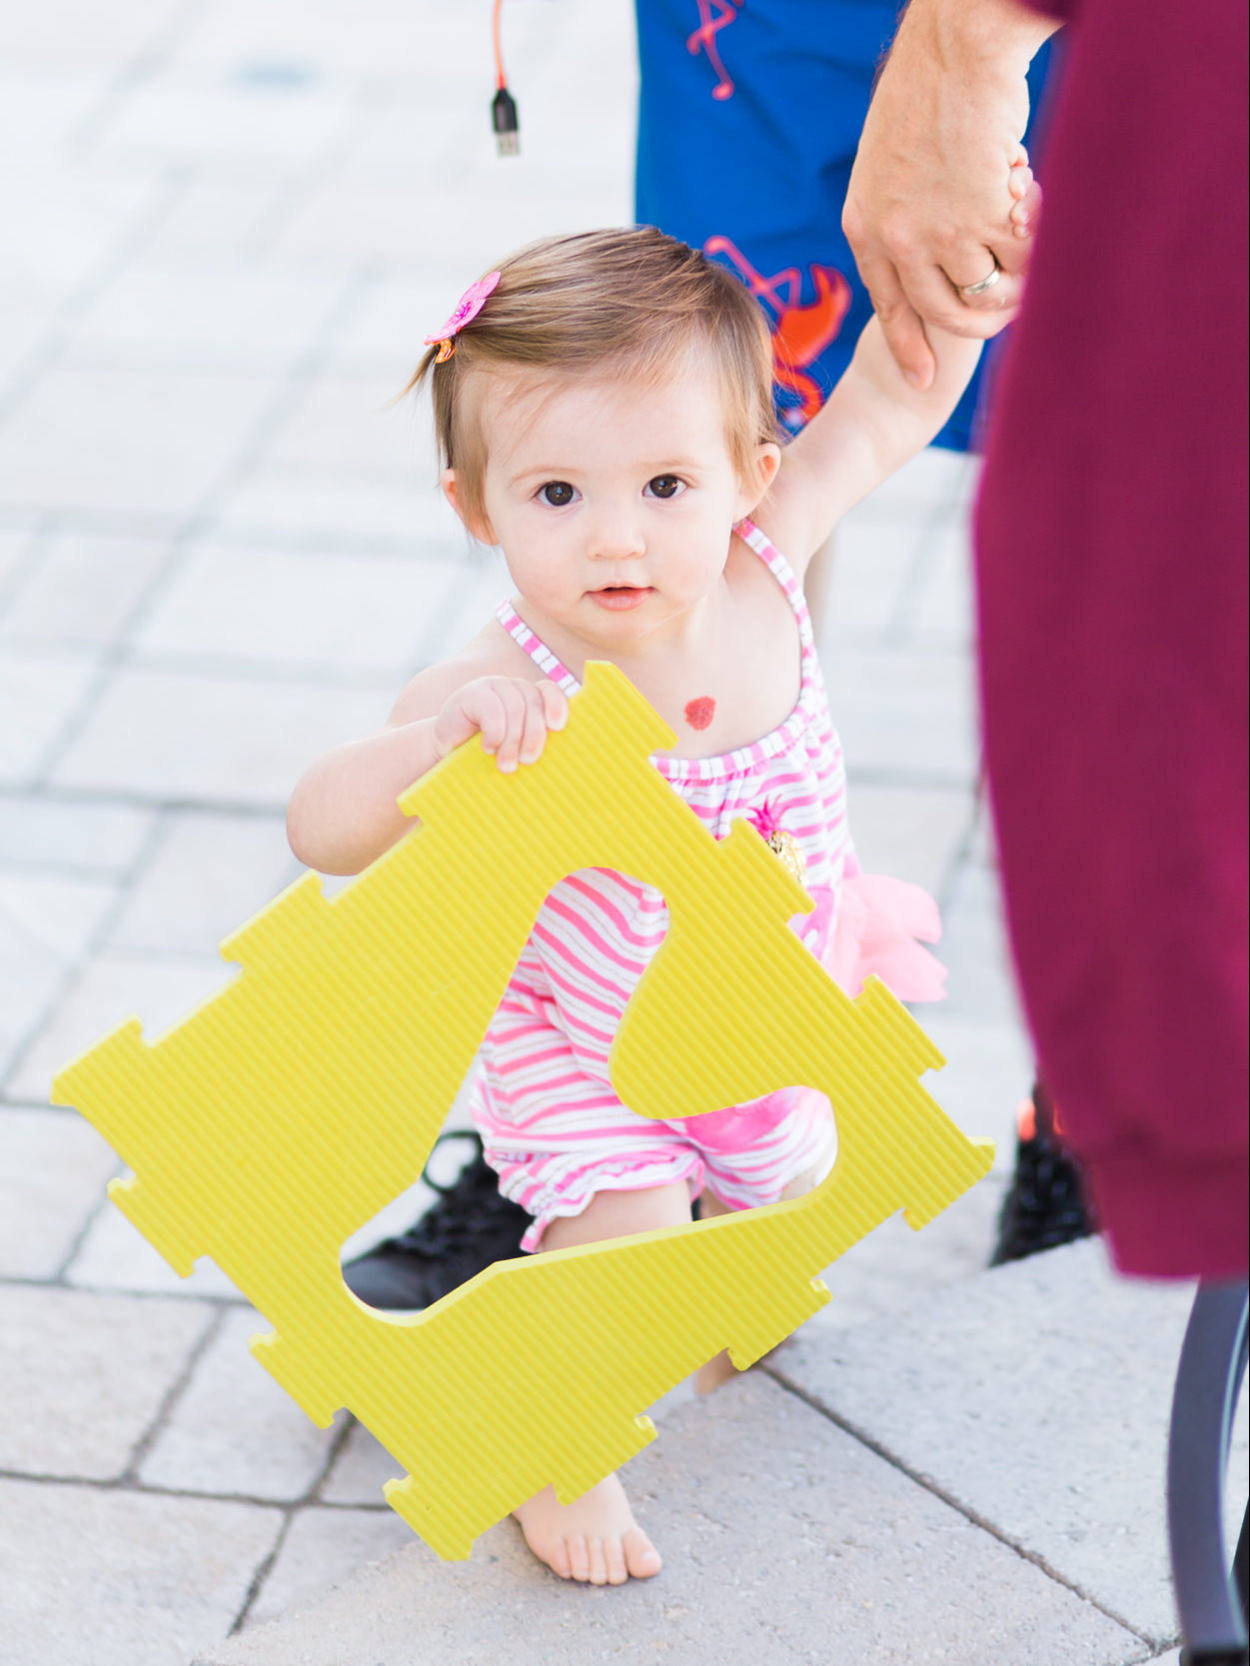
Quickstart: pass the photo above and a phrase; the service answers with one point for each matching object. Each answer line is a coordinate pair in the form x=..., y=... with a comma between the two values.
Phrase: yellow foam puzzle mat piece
x=288, y=1109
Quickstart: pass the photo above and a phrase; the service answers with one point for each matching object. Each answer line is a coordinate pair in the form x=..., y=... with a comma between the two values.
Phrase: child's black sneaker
x=465, y=1229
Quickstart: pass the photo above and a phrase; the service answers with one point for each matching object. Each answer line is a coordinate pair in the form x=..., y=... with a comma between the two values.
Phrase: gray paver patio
x=99, y=1577
x=82, y=1376
x=846, y=1561
x=233, y=1430
x=1037, y=1397
x=52, y=1168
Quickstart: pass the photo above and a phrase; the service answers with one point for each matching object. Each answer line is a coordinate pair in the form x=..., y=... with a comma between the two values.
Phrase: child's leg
x=596, y=1538
x=720, y=1369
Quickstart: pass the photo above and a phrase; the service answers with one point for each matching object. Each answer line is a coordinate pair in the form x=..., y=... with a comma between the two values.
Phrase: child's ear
x=476, y=523
x=767, y=462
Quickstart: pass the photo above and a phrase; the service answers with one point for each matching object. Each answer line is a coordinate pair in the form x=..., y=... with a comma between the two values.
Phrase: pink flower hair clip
x=466, y=310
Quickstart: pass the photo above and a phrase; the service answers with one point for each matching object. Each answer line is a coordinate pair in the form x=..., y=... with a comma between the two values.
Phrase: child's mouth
x=620, y=597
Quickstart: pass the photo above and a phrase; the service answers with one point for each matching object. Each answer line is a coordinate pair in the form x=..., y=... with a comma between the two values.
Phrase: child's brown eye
x=557, y=493
x=664, y=485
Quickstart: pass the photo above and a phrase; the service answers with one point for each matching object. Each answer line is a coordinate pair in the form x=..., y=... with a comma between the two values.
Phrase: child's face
x=613, y=504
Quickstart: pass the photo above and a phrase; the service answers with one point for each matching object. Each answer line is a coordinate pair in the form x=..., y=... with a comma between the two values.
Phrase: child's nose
x=616, y=537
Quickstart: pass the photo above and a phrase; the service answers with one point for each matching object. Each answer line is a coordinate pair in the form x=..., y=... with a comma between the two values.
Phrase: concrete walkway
x=229, y=223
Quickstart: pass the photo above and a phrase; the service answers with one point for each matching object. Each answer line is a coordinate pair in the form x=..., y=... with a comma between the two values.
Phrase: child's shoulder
x=491, y=653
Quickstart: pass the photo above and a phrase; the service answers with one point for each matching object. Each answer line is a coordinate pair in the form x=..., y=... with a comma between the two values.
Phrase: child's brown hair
x=630, y=302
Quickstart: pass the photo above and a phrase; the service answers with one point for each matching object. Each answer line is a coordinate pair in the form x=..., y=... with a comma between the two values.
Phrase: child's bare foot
x=595, y=1539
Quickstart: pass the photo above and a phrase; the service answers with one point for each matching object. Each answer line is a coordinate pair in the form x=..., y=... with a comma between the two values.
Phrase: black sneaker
x=1044, y=1206
x=465, y=1229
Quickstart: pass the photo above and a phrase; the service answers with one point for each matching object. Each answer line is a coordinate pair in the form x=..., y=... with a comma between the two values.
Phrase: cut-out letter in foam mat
x=289, y=1108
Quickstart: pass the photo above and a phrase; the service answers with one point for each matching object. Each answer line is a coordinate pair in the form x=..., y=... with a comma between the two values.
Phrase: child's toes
x=642, y=1559
x=579, y=1556
x=614, y=1556
x=558, y=1559
x=598, y=1574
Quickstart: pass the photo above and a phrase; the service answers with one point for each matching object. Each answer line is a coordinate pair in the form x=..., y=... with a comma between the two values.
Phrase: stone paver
x=206, y=876
x=304, y=613
x=890, y=1270
x=47, y=922
x=148, y=444
x=82, y=589
x=159, y=735
x=361, y=422
x=52, y=1168
x=114, y=1255
x=100, y=1577
x=905, y=714
x=37, y=832
x=324, y=1548
x=233, y=1430
x=846, y=1561
x=82, y=1376
x=1038, y=1397
x=306, y=506
x=361, y=1468
x=113, y=988
x=40, y=688
x=911, y=832
x=200, y=313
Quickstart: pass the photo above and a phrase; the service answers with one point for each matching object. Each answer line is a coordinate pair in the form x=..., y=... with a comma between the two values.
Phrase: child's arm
x=343, y=813
x=872, y=422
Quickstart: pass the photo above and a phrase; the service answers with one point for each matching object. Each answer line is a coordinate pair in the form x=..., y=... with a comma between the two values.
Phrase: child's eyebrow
x=647, y=470
x=541, y=471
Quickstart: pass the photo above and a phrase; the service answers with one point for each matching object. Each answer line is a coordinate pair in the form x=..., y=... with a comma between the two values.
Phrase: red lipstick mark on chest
x=700, y=712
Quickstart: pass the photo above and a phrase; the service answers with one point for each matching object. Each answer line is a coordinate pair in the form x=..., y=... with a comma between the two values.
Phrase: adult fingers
x=934, y=295
x=900, y=322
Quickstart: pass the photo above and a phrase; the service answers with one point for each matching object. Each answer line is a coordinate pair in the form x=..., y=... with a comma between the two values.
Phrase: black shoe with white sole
x=465, y=1229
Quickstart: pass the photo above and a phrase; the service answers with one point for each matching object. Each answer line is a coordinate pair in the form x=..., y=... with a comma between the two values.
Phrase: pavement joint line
x=945, y=517
x=92, y=523
x=60, y=1278
x=969, y=1514
x=134, y=232
x=309, y=1496
x=151, y=55
x=71, y=798
x=76, y=964
x=144, y=1489
x=195, y=522
x=213, y=1299
x=303, y=371
x=261, y=1573
x=129, y=1477
x=963, y=854
x=896, y=634
x=33, y=550
x=295, y=189
x=223, y=668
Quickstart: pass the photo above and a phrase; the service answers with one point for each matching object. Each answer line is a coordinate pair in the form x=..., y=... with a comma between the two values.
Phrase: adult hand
x=940, y=196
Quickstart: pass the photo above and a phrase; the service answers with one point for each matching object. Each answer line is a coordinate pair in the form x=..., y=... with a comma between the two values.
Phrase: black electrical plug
x=503, y=119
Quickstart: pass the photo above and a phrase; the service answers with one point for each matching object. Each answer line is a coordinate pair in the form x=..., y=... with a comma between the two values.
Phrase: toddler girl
x=604, y=413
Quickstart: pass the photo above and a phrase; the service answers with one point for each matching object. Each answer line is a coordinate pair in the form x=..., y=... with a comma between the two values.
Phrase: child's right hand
x=512, y=713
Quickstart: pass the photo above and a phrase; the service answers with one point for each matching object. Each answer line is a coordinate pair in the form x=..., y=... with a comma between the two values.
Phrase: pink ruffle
x=881, y=925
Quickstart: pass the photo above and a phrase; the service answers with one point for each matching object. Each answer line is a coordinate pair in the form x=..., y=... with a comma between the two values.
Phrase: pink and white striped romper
x=552, y=1127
